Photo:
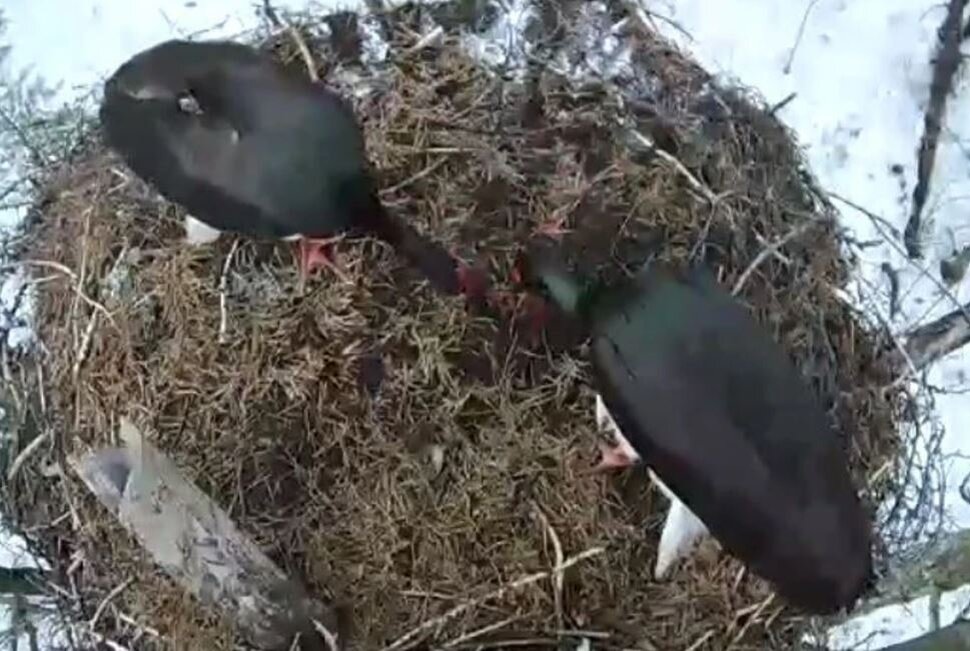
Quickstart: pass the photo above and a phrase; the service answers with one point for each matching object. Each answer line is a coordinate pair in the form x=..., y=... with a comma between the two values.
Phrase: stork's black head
x=542, y=270
x=556, y=296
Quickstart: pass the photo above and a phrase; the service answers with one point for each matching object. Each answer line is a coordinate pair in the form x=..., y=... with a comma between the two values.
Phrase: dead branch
x=932, y=341
x=945, y=67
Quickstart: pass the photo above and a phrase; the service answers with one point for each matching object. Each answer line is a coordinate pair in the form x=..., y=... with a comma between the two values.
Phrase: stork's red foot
x=554, y=229
x=612, y=458
x=314, y=254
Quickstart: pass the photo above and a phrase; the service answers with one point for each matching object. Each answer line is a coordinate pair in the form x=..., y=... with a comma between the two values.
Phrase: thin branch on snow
x=798, y=38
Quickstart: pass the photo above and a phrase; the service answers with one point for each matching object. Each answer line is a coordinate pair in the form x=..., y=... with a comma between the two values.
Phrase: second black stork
x=713, y=406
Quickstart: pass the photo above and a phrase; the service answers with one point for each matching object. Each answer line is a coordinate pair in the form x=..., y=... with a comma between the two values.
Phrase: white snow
x=898, y=622
x=504, y=43
x=80, y=43
x=861, y=76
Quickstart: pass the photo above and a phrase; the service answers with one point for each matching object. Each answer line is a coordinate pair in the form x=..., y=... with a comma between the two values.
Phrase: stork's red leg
x=315, y=253
x=537, y=315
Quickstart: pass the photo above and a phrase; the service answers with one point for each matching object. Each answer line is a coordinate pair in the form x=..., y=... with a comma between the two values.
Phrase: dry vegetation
x=384, y=445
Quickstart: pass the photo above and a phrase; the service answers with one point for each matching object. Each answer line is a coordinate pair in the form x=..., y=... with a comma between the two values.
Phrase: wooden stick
x=406, y=640
x=770, y=250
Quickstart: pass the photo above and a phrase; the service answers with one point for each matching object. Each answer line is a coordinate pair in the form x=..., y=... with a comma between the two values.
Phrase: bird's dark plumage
x=714, y=406
x=268, y=154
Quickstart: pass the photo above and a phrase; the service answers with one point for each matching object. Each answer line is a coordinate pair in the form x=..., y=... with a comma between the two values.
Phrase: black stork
x=244, y=145
x=713, y=406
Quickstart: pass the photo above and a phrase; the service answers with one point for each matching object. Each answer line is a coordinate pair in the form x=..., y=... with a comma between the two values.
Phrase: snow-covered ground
x=860, y=73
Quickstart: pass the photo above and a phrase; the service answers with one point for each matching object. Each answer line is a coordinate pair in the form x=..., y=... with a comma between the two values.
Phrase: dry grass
x=318, y=421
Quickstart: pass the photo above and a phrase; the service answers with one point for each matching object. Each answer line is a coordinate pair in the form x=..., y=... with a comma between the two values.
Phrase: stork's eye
x=188, y=104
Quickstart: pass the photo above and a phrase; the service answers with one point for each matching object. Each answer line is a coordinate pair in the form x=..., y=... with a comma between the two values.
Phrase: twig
x=81, y=277
x=41, y=393
x=782, y=104
x=798, y=38
x=415, y=177
x=25, y=141
x=117, y=590
x=9, y=190
x=641, y=14
x=557, y=579
x=57, y=266
x=879, y=473
x=945, y=68
x=85, y=344
x=311, y=66
x=879, y=223
x=75, y=518
x=574, y=632
x=131, y=621
x=901, y=349
x=893, y=277
x=329, y=637
x=223, y=283
x=100, y=639
x=24, y=454
x=928, y=343
x=430, y=39
x=485, y=630
x=778, y=255
x=405, y=640
x=677, y=165
x=270, y=12
x=751, y=620
x=279, y=21
x=700, y=641
x=528, y=642
x=739, y=577
x=769, y=250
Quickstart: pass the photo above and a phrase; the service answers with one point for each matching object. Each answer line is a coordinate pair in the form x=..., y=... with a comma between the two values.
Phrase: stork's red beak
x=536, y=316
x=472, y=282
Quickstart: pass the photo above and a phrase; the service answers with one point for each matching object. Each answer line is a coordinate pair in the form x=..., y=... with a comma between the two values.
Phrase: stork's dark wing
x=716, y=408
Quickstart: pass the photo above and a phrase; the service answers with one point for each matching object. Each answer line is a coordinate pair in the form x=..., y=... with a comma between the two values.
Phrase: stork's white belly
x=198, y=232
x=682, y=529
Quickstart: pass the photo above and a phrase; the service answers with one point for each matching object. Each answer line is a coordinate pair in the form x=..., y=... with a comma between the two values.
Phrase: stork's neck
x=563, y=290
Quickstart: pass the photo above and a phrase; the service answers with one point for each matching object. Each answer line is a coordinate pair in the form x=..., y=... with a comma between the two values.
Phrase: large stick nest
x=384, y=445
